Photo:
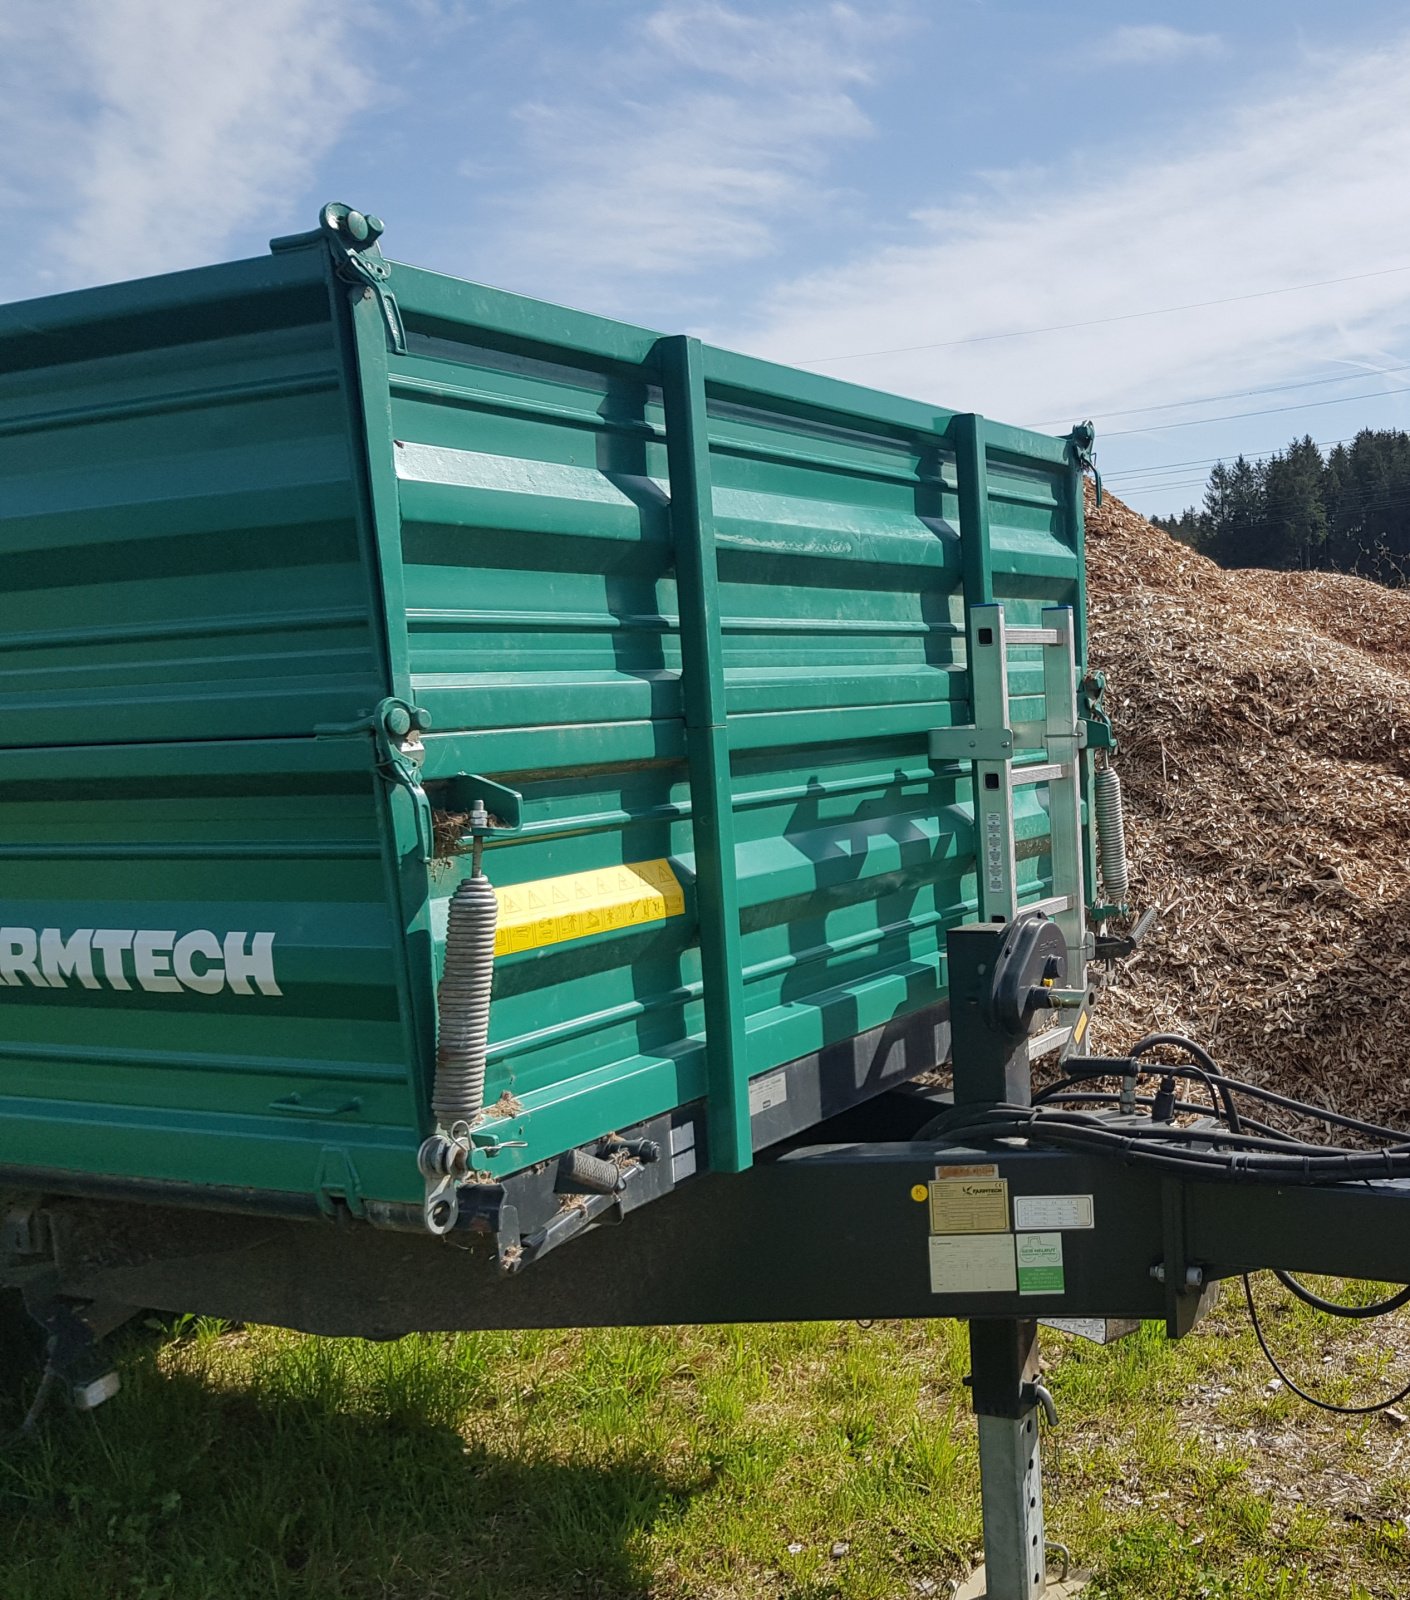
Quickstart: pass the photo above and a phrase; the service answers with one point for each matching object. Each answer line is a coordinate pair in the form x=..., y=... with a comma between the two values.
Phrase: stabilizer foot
x=975, y=1587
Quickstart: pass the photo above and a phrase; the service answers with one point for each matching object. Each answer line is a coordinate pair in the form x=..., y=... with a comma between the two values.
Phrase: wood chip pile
x=1264, y=724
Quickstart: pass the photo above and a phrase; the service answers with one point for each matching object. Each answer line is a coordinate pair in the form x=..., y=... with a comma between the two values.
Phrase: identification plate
x=981, y=1263
x=1045, y=1212
x=969, y=1205
x=767, y=1092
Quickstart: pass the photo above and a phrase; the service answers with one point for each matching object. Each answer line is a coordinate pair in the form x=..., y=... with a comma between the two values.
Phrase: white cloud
x=139, y=137
x=806, y=46
x=693, y=148
x=1153, y=42
x=1293, y=187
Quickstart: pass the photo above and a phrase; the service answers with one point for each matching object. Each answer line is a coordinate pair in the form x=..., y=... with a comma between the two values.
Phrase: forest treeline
x=1346, y=512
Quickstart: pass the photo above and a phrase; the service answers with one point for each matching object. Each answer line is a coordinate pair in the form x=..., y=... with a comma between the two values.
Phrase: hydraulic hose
x=1337, y=1308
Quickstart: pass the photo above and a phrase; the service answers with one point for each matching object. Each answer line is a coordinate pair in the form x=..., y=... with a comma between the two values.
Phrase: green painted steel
x=703, y=703
x=248, y=506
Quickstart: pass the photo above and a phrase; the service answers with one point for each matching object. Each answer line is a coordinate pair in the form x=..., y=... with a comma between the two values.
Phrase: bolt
x=356, y=224
x=398, y=721
x=1194, y=1277
x=1158, y=1272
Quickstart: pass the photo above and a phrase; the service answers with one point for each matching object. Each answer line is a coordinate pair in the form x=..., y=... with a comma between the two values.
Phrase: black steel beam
x=826, y=1232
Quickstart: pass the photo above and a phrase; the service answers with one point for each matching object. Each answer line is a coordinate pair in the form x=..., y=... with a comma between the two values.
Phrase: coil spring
x=463, y=1002
x=1111, y=834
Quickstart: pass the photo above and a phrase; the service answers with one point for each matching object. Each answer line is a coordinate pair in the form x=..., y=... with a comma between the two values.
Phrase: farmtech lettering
x=161, y=961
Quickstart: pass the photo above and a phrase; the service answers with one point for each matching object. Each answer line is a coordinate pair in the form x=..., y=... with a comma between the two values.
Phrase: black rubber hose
x=1334, y=1307
x=1202, y=1058
x=1252, y=1162
x=1301, y=1393
x=1064, y=1096
x=1113, y=1067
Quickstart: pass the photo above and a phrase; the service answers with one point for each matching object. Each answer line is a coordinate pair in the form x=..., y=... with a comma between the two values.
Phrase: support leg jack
x=1007, y=1401
x=74, y=1351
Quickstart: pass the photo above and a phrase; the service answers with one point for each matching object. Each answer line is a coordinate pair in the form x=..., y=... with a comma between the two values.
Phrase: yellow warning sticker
x=580, y=904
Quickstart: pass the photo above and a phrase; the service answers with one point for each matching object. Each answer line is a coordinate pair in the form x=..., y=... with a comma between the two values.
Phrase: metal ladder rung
x=1047, y=773
x=1041, y=1043
x=1052, y=905
x=1053, y=742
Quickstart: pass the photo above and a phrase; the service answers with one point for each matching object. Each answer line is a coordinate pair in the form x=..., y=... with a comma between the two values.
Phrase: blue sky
x=900, y=192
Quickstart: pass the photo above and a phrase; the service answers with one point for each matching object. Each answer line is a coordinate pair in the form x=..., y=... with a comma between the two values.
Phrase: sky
x=1189, y=223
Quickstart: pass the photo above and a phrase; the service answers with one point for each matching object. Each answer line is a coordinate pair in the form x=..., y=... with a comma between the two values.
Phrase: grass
x=792, y=1462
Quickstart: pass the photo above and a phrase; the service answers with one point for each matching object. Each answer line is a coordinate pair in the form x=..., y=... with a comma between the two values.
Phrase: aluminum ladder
x=991, y=743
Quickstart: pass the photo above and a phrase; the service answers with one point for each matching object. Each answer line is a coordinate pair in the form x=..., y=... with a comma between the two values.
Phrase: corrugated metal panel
x=179, y=529
x=543, y=621
x=113, y=1063
x=233, y=515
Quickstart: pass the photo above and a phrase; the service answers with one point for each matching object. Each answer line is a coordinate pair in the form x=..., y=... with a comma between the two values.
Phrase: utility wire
x=1209, y=399
x=1097, y=322
x=1201, y=461
x=1266, y=411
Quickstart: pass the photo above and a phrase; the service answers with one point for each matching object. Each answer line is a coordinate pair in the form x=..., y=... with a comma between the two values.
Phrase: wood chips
x=1264, y=726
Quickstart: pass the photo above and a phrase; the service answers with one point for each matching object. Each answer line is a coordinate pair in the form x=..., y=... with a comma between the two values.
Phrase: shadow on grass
x=21, y=1350
x=341, y=1490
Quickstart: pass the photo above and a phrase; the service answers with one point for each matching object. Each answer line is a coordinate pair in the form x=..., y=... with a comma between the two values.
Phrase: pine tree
x=1294, y=531
x=1347, y=513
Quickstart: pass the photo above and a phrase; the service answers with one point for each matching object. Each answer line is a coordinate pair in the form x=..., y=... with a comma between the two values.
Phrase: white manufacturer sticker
x=768, y=1092
x=1045, y=1212
x=159, y=960
x=972, y=1263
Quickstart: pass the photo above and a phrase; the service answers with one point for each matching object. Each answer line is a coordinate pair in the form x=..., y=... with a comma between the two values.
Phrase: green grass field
x=795, y=1461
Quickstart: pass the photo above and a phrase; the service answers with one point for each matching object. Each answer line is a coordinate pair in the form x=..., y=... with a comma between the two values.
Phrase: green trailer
x=333, y=586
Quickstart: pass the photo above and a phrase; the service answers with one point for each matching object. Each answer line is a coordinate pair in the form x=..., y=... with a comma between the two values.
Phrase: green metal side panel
x=178, y=513
x=698, y=610
x=278, y=1076
x=534, y=450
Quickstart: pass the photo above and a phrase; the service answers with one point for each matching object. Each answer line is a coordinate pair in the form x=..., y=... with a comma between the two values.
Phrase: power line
x=1184, y=486
x=1266, y=411
x=1097, y=322
x=1234, y=394
x=1203, y=461
x=1351, y=498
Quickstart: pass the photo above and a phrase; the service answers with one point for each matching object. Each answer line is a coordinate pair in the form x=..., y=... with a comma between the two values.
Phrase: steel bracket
x=338, y=1183
x=396, y=727
x=1091, y=693
x=1081, y=445
x=352, y=239
x=503, y=805
x=971, y=744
